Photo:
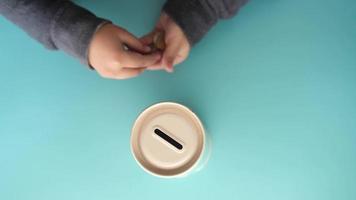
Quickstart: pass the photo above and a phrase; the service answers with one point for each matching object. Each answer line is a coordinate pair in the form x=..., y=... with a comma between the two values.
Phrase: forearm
x=57, y=24
x=196, y=17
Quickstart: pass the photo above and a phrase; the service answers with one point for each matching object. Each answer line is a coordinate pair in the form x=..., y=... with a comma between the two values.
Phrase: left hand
x=177, y=45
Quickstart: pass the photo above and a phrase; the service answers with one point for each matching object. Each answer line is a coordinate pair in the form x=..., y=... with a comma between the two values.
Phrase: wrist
x=192, y=17
x=90, y=46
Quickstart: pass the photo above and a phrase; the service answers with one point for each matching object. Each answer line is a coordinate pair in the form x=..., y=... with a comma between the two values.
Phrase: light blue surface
x=275, y=87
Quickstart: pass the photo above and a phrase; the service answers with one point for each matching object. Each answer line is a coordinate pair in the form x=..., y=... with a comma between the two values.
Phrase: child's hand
x=117, y=54
x=177, y=45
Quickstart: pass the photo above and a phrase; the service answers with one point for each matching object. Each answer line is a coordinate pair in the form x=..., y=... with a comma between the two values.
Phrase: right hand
x=177, y=45
x=117, y=54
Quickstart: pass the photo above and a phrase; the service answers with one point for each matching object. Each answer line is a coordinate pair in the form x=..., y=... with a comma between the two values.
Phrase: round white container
x=168, y=140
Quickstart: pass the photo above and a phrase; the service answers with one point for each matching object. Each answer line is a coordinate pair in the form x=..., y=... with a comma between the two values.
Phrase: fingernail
x=147, y=48
x=170, y=66
x=169, y=69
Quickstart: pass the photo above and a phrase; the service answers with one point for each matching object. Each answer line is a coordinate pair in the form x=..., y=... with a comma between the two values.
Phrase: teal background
x=275, y=87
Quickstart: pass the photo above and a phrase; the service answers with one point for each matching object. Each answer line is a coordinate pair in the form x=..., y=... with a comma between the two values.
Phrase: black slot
x=168, y=139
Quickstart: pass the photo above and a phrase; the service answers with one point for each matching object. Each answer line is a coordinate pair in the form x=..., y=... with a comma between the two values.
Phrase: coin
x=158, y=41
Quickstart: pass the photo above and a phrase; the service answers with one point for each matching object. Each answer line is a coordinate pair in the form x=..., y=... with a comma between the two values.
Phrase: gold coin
x=158, y=41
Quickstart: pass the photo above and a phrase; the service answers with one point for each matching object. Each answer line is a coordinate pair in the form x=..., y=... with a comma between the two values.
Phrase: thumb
x=169, y=56
x=134, y=43
x=168, y=63
x=147, y=39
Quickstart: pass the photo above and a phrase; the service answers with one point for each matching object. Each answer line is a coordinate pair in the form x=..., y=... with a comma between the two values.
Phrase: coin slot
x=168, y=139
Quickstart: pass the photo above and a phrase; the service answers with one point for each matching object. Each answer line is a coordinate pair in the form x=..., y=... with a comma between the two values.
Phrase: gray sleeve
x=57, y=24
x=196, y=17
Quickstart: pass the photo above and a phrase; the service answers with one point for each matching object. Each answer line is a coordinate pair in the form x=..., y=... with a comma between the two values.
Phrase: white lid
x=167, y=139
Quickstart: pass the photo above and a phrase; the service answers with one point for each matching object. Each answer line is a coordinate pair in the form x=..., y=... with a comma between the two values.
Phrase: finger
x=157, y=66
x=126, y=73
x=147, y=39
x=154, y=68
x=132, y=59
x=168, y=63
x=134, y=43
x=169, y=56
